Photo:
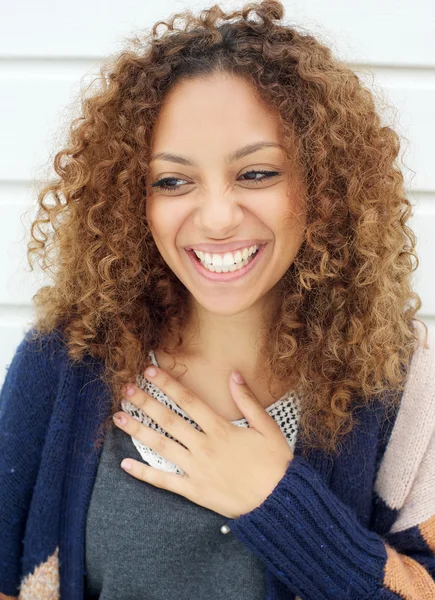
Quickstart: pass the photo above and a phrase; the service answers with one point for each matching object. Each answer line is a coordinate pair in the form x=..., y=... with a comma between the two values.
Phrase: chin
x=226, y=306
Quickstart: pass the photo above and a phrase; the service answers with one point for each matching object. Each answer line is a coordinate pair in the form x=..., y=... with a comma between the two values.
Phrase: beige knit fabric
x=43, y=583
x=405, y=480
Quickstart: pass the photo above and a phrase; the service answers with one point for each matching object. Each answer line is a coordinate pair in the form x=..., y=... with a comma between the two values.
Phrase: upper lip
x=220, y=248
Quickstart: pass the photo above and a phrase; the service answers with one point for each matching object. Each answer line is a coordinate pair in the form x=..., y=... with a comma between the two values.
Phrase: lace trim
x=285, y=411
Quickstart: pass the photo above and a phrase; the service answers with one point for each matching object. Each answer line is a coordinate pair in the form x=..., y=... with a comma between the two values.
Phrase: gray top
x=143, y=542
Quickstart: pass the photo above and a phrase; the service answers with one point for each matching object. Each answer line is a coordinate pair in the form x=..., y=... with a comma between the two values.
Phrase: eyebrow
x=230, y=158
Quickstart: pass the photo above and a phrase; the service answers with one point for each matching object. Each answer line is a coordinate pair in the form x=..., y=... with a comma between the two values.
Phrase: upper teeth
x=227, y=259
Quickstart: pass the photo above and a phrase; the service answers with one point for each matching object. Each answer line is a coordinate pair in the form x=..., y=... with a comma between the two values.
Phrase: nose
x=218, y=214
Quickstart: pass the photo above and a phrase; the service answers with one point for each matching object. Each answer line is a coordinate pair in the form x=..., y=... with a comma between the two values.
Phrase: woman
x=229, y=211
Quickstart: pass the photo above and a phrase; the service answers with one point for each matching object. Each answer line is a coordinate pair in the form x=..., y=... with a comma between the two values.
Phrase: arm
x=26, y=399
x=317, y=547
x=315, y=544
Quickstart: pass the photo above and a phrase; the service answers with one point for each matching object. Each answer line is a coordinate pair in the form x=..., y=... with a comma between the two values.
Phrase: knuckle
x=220, y=430
x=143, y=472
x=161, y=442
x=206, y=448
x=166, y=381
x=187, y=397
x=201, y=441
x=143, y=400
x=168, y=420
x=135, y=427
x=156, y=477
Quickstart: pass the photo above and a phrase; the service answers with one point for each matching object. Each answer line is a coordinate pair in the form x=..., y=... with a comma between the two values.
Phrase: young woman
x=229, y=212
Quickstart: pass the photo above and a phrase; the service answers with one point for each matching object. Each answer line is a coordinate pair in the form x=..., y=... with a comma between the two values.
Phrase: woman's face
x=214, y=203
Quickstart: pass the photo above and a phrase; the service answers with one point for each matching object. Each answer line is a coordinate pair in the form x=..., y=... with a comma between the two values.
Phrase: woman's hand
x=228, y=469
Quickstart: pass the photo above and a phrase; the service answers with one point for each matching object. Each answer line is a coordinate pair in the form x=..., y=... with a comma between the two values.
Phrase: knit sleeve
x=315, y=544
x=317, y=547
x=26, y=398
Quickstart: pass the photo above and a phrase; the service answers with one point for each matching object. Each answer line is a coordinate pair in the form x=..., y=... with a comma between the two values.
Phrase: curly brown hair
x=345, y=316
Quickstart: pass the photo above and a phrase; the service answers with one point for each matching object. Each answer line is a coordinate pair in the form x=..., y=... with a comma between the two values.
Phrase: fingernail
x=237, y=377
x=120, y=418
x=128, y=389
x=151, y=371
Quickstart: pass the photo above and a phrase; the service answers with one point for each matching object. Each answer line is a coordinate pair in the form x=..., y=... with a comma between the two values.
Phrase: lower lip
x=230, y=276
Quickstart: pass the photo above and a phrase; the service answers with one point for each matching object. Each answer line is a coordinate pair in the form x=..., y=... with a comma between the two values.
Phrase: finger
x=159, y=442
x=166, y=418
x=187, y=400
x=173, y=482
x=254, y=412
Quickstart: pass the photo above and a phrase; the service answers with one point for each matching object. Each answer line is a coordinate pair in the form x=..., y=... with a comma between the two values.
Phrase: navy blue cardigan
x=323, y=532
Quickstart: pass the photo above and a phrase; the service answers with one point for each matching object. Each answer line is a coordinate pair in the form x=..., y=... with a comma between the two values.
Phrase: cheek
x=160, y=219
x=289, y=224
x=283, y=216
x=165, y=222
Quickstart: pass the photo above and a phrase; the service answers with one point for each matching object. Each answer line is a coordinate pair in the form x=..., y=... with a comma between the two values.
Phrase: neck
x=229, y=341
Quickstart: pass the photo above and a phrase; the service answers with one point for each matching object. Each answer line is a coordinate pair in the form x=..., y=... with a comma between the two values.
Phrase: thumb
x=249, y=405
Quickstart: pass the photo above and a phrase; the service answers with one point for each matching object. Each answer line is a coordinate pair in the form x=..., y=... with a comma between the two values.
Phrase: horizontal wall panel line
x=14, y=312
x=56, y=66
x=58, y=59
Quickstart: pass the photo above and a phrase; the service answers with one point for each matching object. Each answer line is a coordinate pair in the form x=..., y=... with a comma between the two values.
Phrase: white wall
x=49, y=50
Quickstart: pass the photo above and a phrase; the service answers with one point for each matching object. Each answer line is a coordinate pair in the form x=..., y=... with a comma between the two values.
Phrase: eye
x=265, y=175
x=166, y=182
x=162, y=184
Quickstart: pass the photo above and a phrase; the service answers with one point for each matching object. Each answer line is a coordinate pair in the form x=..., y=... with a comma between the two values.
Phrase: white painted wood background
x=50, y=50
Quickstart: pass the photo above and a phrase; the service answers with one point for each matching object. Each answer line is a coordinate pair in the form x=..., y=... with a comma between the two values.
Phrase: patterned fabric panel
x=43, y=583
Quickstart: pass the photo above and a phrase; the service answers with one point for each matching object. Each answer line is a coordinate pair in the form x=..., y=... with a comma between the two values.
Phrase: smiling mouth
x=237, y=270
x=236, y=265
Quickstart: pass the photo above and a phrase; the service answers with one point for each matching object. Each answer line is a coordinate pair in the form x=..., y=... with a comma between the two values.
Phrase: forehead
x=221, y=109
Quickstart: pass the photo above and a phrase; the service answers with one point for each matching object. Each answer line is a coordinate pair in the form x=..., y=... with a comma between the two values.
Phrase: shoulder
x=423, y=360
x=415, y=420
x=27, y=398
x=413, y=432
x=31, y=379
x=416, y=415
x=38, y=360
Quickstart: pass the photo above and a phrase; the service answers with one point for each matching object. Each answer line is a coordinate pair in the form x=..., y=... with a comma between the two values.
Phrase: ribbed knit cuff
x=311, y=540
